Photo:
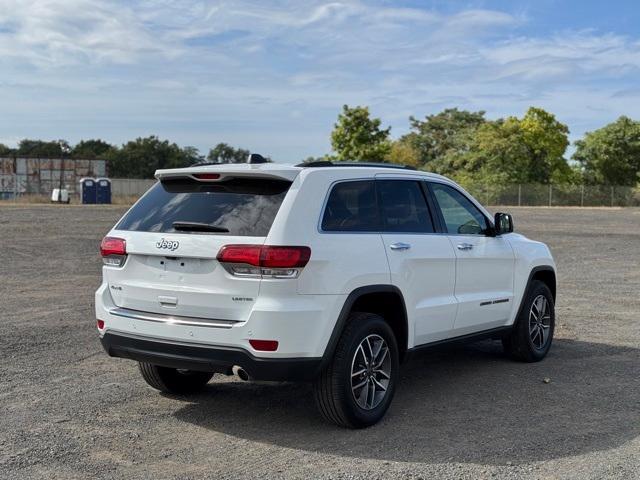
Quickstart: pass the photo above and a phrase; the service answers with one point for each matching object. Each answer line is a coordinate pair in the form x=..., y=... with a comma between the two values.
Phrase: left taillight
x=113, y=251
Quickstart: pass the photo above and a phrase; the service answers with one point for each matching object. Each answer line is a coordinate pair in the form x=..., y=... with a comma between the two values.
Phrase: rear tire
x=532, y=334
x=356, y=388
x=172, y=380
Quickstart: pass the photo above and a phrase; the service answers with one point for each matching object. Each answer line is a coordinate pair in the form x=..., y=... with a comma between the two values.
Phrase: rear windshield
x=243, y=207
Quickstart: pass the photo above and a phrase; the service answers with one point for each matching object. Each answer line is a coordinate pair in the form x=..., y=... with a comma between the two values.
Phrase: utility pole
x=612, y=197
x=64, y=149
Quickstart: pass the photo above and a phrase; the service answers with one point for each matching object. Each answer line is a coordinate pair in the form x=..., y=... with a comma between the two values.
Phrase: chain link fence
x=127, y=190
x=559, y=195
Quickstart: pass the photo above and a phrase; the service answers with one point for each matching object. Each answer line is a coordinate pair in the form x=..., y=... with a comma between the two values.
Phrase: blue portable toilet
x=103, y=190
x=88, y=190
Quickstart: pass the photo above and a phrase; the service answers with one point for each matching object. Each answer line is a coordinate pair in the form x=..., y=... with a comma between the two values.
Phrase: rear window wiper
x=198, y=227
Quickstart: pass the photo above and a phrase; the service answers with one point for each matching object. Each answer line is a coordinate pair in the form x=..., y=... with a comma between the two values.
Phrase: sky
x=272, y=76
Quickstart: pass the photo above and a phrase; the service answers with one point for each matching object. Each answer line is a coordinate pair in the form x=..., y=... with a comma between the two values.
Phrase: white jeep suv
x=326, y=272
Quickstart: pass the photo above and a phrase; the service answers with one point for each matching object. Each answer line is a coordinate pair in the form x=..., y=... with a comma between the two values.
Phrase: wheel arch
x=384, y=300
x=544, y=273
x=547, y=275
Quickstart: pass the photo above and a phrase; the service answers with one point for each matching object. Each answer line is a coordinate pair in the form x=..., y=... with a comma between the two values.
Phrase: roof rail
x=328, y=163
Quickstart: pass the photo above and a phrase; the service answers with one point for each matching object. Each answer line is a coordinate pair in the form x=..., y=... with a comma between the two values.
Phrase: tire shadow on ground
x=462, y=404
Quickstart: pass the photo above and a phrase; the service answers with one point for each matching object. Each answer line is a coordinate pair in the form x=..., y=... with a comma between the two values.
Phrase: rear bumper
x=302, y=328
x=207, y=358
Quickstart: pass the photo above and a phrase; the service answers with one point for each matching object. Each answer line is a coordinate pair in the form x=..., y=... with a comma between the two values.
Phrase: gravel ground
x=69, y=411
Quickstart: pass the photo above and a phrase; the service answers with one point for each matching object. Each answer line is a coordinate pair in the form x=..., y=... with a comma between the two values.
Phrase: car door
x=421, y=262
x=484, y=263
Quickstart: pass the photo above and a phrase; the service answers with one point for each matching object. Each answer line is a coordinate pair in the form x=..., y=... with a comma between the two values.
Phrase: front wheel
x=173, y=380
x=356, y=388
x=532, y=334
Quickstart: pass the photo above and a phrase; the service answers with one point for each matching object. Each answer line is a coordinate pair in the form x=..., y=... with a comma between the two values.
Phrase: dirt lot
x=69, y=411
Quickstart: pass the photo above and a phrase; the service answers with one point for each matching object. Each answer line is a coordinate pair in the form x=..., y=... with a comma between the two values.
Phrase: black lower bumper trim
x=209, y=359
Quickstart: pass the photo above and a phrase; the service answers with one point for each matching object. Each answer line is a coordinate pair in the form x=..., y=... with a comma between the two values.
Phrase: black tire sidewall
x=523, y=336
x=170, y=380
x=367, y=324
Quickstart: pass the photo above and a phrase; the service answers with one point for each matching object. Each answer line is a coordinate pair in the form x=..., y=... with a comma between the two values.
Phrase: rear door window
x=244, y=207
x=352, y=207
x=404, y=207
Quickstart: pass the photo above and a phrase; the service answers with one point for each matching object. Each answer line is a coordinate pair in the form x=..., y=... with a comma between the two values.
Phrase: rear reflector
x=113, y=246
x=264, y=345
x=265, y=256
x=100, y=324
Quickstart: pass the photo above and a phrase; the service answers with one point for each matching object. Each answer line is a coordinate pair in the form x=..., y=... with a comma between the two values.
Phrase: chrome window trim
x=407, y=177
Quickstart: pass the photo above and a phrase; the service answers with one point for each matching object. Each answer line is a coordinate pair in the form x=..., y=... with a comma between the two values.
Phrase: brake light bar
x=264, y=260
x=206, y=176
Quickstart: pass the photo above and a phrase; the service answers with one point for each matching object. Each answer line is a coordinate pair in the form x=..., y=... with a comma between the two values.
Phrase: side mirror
x=503, y=223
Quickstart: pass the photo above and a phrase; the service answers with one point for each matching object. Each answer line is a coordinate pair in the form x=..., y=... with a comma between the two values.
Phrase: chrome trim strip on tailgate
x=171, y=319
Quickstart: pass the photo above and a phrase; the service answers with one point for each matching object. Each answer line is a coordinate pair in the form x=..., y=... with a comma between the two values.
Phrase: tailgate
x=173, y=235
x=185, y=281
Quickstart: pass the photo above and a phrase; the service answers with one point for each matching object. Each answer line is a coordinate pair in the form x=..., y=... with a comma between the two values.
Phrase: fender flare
x=534, y=270
x=351, y=299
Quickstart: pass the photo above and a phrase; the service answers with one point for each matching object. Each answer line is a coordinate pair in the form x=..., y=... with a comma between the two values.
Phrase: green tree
x=611, y=154
x=224, y=153
x=546, y=140
x=403, y=153
x=90, y=149
x=358, y=137
x=512, y=150
x=141, y=157
x=39, y=148
x=192, y=155
x=498, y=153
x=5, y=151
x=440, y=139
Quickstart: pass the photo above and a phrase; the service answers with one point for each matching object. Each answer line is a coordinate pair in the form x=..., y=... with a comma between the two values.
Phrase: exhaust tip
x=241, y=373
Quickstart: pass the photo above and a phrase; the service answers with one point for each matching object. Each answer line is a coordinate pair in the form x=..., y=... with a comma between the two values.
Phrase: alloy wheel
x=539, y=322
x=370, y=372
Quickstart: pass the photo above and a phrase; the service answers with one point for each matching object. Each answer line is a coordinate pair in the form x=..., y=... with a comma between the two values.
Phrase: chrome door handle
x=465, y=246
x=400, y=246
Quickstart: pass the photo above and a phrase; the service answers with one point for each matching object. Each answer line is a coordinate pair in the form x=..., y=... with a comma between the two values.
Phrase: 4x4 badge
x=167, y=244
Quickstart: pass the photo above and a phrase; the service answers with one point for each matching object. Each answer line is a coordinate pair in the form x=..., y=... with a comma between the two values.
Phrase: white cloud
x=278, y=72
x=66, y=32
x=561, y=55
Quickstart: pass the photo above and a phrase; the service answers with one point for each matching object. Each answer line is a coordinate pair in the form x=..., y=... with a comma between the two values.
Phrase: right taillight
x=113, y=251
x=264, y=260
